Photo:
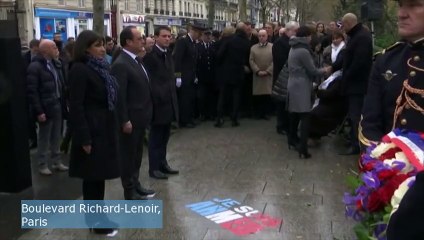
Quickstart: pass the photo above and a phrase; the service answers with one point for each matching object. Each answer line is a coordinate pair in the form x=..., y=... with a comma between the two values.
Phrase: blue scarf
x=102, y=67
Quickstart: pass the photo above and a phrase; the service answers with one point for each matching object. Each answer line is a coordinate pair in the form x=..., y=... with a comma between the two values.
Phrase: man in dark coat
x=28, y=56
x=357, y=64
x=206, y=75
x=134, y=110
x=185, y=59
x=280, y=54
x=165, y=104
x=45, y=92
x=233, y=55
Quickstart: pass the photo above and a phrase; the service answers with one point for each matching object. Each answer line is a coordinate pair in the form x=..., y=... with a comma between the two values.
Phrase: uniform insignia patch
x=388, y=75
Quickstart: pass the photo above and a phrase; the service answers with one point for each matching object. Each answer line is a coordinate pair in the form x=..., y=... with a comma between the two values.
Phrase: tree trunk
x=264, y=16
x=243, y=11
x=211, y=13
x=287, y=10
x=98, y=17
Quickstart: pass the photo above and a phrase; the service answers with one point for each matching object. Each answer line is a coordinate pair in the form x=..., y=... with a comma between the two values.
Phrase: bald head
x=349, y=21
x=281, y=31
x=48, y=49
x=241, y=26
x=150, y=42
x=263, y=36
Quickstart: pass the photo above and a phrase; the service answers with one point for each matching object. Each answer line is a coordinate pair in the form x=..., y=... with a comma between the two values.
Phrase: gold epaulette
x=388, y=49
x=365, y=141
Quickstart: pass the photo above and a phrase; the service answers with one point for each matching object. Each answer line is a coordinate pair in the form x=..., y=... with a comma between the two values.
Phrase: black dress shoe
x=168, y=170
x=158, y=175
x=235, y=123
x=351, y=151
x=131, y=194
x=149, y=193
x=219, y=122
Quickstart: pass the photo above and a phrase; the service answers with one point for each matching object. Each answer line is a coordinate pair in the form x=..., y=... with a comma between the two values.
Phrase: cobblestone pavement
x=250, y=164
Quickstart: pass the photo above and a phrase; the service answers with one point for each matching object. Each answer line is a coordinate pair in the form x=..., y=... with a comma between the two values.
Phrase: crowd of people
x=313, y=77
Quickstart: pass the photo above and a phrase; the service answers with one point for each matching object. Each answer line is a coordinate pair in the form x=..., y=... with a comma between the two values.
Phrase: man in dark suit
x=233, y=55
x=280, y=54
x=357, y=62
x=185, y=59
x=134, y=110
x=161, y=69
x=206, y=74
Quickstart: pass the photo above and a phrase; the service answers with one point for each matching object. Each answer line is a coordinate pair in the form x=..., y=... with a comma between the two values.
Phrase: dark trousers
x=93, y=189
x=32, y=129
x=229, y=91
x=186, y=101
x=261, y=105
x=246, y=107
x=158, y=141
x=282, y=116
x=131, y=156
x=354, y=112
x=304, y=120
x=207, y=100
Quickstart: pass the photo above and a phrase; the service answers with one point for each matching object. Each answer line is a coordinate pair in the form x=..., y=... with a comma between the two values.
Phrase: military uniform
x=395, y=97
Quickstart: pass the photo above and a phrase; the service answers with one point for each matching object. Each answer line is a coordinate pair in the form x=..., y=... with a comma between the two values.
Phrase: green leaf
x=361, y=232
x=353, y=182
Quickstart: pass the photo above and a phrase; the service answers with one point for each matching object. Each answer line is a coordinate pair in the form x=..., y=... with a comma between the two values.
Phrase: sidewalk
x=250, y=164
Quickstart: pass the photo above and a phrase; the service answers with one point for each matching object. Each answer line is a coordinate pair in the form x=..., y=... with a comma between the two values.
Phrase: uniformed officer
x=185, y=59
x=206, y=92
x=395, y=99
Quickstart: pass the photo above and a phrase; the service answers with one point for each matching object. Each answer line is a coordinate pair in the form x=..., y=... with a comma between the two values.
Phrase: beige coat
x=261, y=60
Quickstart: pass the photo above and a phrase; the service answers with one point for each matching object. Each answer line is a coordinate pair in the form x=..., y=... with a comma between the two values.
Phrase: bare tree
x=98, y=17
x=266, y=6
x=211, y=13
x=242, y=10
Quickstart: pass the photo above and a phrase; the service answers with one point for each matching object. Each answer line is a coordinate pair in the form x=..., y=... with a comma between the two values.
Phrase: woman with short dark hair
x=93, y=95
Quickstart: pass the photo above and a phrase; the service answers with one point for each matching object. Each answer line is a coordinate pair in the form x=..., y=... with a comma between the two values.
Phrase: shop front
x=174, y=23
x=67, y=23
x=135, y=20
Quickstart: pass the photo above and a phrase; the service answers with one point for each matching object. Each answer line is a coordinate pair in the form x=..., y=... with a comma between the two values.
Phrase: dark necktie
x=140, y=61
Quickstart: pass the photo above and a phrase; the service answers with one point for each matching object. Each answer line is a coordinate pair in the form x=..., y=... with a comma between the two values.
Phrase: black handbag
x=279, y=90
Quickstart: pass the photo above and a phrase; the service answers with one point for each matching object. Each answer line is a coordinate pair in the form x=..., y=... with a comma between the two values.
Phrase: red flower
x=359, y=205
x=386, y=174
x=382, y=196
x=368, y=167
x=389, y=154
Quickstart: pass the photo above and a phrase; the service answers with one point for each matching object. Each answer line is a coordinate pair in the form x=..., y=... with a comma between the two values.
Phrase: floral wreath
x=387, y=171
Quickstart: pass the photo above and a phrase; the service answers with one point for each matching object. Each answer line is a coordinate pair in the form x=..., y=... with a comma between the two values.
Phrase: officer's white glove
x=196, y=80
x=178, y=82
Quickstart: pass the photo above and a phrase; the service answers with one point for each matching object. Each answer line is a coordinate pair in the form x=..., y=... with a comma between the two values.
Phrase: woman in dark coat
x=330, y=107
x=93, y=94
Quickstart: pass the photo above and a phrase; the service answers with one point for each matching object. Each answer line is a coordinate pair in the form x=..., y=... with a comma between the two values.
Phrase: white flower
x=399, y=157
x=381, y=148
x=399, y=193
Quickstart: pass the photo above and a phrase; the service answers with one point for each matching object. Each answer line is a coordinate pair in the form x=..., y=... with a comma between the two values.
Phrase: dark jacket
x=92, y=124
x=134, y=100
x=233, y=55
x=41, y=86
x=164, y=93
x=357, y=61
x=205, y=63
x=330, y=111
x=185, y=59
x=389, y=72
x=280, y=53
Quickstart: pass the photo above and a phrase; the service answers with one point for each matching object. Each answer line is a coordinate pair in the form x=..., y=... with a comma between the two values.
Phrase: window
x=201, y=9
x=81, y=3
x=107, y=4
x=126, y=5
x=188, y=7
x=139, y=6
x=185, y=7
